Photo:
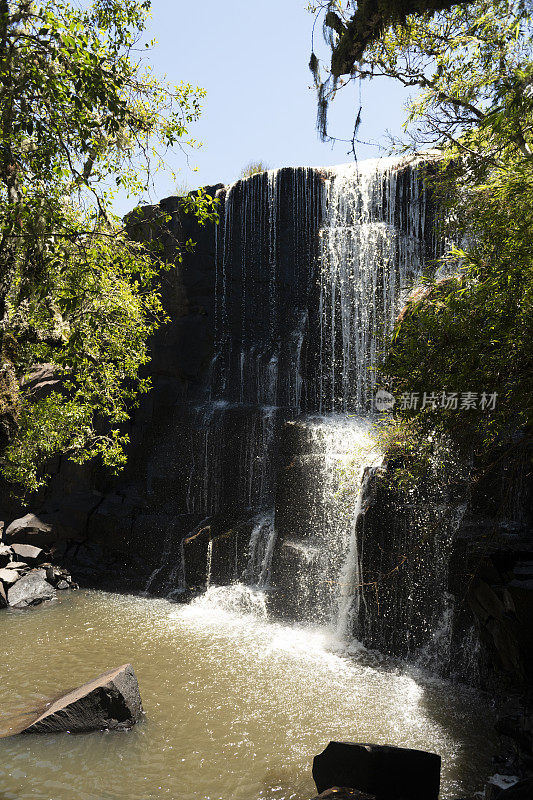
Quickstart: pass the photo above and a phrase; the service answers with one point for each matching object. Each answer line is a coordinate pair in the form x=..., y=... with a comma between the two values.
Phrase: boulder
x=109, y=702
x=18, y=566
x=9, y=576
x=30, y=590
x=3, y=597
x=523, y=790
x=6, y=554
x=62, y=585
x=389, y=773
x=27, y=553
x=30, y=530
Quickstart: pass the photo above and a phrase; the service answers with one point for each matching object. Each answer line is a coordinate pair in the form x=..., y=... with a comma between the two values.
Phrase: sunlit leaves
x=81, y=116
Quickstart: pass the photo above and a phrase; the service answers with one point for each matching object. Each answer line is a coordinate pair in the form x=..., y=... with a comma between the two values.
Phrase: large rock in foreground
x=110, y=702
x=389, y=773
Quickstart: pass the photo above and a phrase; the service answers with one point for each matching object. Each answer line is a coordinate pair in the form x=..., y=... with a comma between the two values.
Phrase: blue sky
x=252, y=58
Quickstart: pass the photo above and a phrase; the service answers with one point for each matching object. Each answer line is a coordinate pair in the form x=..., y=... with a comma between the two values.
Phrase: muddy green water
x=236, y=706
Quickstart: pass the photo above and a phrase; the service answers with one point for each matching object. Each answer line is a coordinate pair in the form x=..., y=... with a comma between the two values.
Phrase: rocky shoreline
x=29, y=574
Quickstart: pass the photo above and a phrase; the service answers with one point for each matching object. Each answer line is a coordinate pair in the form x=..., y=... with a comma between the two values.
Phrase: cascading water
x=312, y=267
x=373, y=247
x=374, y=244
x=334, y=451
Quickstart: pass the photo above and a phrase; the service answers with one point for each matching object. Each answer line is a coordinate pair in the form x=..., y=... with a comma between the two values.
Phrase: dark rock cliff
x=131, y=516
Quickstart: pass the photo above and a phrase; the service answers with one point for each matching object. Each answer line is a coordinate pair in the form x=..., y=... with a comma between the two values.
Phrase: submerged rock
x=30, y=590
x=389, y=773
x=110, y=702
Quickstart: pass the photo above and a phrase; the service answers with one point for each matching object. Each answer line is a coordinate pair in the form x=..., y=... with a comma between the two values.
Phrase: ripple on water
x=236, y=706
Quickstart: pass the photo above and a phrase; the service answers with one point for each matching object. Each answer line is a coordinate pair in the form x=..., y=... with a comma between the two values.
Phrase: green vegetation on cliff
x=80, y=119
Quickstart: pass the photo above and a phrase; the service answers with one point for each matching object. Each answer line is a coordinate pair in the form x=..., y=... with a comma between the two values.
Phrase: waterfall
x=312, y=268
x=322, y=557
x=266, y=255
x=373, y=242
x=373, y=245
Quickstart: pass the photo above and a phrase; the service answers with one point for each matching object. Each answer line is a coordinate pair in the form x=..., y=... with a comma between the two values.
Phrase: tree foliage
x=357, y=30
x=472, y=331
x=80, y=119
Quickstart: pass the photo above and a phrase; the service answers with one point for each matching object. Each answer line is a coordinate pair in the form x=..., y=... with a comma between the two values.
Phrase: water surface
x=236, y=706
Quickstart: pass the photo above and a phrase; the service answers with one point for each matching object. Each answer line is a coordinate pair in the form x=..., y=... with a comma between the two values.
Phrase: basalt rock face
x=199, y=437
x=127, y=518
x=475, y=540
x=475, y=544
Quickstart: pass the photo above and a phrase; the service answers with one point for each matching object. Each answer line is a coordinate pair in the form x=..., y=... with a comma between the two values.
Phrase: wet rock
x=70, y=520
x=195, y=550
x=497, y=783
x=30, y=590
x=390, y=773
x=523, y=790
x=485, y=602
x=6, y=554
x=62, y=585
x=30, y=529
x=110, y=702
x=51, y=576
x=9, y=576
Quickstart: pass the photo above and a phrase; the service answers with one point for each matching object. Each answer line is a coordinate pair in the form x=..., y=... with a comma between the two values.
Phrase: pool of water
x=236, y=706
